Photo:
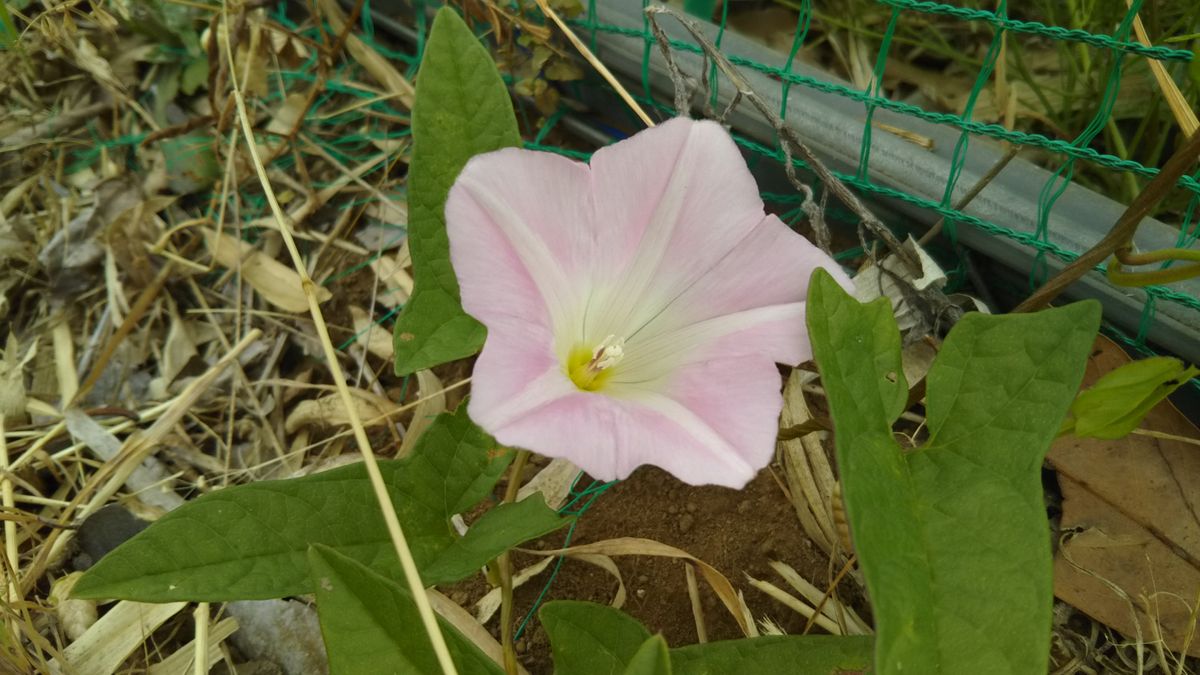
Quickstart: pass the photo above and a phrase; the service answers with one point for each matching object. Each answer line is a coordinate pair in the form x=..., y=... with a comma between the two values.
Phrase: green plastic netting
x=1064, y=156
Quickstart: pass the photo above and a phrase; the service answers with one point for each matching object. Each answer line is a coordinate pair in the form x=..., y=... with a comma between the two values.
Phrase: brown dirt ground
x=736, y=531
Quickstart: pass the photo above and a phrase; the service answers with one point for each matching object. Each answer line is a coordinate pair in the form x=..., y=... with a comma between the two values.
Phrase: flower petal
x=756, y=291
x=517, y=370
x=521, y=236
x=610, y=437
x=673, y=200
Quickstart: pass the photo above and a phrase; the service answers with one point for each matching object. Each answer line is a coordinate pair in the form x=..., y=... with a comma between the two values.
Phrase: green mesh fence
x=1065, y=155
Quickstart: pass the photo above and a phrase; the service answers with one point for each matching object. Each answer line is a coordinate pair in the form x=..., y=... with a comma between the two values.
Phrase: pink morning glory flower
x=636, y=307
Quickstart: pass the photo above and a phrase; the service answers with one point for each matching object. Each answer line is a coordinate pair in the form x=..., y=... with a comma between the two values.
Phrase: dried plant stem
x=200, y=661
x=12, y=571
x=972, y=193
x=1119, y=236
x=846, y=567
x=1163, y=436
x=140, y=306
x=595, y=62
x=504, y=570
x=697, y=608
x=396, y=532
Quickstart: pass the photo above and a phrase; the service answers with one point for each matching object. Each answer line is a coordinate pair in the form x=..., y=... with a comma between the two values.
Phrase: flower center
x=589, y=369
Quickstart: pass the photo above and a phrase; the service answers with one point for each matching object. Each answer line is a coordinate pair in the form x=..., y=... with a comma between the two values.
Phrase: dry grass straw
x=595, y=63
x=409, y=565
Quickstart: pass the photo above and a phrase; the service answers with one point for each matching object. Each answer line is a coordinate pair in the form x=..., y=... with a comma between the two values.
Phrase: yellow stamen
x=591, y=368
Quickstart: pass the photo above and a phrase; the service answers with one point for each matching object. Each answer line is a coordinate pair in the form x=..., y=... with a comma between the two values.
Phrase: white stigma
x=608, y=353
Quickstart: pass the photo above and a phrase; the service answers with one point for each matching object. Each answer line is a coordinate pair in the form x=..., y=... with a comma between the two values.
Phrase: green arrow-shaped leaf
x=952, y=537
x=462, y=109
x=251, y=541
x=371, y=624
x=591, y=639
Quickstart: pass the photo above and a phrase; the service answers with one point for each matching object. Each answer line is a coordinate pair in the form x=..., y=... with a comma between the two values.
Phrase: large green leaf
x=251, y=541
x=588, y=639
x=952, y=537
x=498, y=529
x=371, y=624
x=462, y=109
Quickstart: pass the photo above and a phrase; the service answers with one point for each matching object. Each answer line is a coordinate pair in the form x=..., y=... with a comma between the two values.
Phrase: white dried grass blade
x=747, y=617
x=64, y=361
x=182, y=661
x=328, y=411
x=106, y=645
x=371, y=61
x=287, y=115
x=392, y=211
x=796, y=604
x=697, y=609
x=809, y=476
x=391, y=270
x=432, y=403
x=377, y=340
x=832, y=606
x=554, y=482
x=277, y=283
x=487, y=606
x=150, y=479
x=178, y=348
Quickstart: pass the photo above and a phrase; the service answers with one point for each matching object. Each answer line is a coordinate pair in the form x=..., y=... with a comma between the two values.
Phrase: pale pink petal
x=772, y=265
x=610, y=437
x=517, y=359
x=521, y=235
x=756, y=290
x=673, y=201
x=771, y=334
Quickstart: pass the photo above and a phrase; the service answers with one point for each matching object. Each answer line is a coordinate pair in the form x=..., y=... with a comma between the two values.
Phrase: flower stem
x=504, y=567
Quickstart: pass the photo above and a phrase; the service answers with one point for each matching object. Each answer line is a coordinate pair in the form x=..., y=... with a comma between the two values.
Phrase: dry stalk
x=595, y=62
x=395, y=530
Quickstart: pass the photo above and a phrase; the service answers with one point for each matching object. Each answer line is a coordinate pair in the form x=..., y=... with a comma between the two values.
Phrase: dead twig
x=1118, y=238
